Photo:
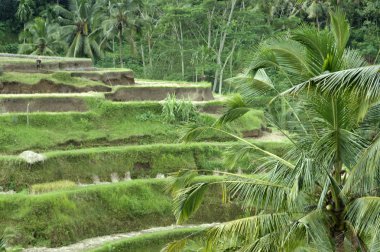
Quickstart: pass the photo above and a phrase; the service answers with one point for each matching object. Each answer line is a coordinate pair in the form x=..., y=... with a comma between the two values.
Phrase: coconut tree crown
x=323, y=194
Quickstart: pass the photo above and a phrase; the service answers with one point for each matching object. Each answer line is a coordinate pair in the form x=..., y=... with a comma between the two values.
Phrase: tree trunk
x=121, y=50
x=113, y=52
x=143, y=59
x=223, y=37
x=339, y=241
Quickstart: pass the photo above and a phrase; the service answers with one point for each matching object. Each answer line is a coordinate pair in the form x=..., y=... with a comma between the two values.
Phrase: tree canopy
x=181, y=40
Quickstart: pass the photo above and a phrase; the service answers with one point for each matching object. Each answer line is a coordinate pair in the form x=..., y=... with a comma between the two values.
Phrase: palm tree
x=323, y=195
x=24, y=11
x=119, y=23
x=81, y=26
x=42, y=38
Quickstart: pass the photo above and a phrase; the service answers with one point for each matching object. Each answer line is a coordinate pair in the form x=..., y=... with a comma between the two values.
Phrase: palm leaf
x=364, y=213
x=362, y=82
x=188, y=200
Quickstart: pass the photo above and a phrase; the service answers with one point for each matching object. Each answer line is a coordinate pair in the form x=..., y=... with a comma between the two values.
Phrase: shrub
x=179, y=111
x=1, y=71
x=53, y=186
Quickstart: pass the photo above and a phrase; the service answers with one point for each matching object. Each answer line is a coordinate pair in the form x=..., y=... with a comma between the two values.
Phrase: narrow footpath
x=99, y=241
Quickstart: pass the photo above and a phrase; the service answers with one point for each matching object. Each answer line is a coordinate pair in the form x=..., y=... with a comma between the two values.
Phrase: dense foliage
x=192, y=40
x=323, y=195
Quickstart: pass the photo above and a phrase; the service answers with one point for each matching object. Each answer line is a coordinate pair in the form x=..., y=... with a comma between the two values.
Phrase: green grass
x=124, y=123
x=141, y=161
x=254, y=119
x=147, y=242
x=58, y=77
x=64, y=217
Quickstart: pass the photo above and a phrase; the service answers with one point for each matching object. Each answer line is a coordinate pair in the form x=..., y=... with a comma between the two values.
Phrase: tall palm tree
x=323, y=195
x=120, y=23
x=80, y=24
x=24, y=11
x=41, y=38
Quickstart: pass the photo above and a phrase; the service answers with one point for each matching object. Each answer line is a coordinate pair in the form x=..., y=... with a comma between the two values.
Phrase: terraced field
x=97, y=153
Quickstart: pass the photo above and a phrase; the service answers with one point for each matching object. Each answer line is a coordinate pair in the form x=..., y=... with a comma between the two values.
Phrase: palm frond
x=364, y=177
x=258, y=192
x=188, y=200
x=236, y=108
x=362, y=82
x=364, y=214
x=340, y=28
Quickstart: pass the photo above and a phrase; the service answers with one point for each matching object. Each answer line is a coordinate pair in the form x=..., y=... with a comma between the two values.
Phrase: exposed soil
x=252, y=133
x=44, y=104
x=99, y=241
x=103, y=141
x=211, y=109
x=98, y=142
x=257, y=133
x=160, y=93
x=109, y=78
x=46, y=86
x=48, y=66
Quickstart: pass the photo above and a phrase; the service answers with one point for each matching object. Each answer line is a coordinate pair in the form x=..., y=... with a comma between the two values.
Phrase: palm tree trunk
x=121, y=50
x=113, y=51
x=339, y=241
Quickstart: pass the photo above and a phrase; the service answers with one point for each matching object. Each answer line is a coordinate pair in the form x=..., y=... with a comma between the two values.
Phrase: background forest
x=194, y=40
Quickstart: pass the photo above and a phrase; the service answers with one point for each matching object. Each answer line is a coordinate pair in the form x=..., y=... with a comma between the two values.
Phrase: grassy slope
x=64, y=217
x=123, y=122
x=58, y=77
x=142, y=161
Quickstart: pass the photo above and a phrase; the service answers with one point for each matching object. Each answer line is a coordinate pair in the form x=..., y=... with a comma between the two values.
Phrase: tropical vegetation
x=178, y=40
x=323, y=195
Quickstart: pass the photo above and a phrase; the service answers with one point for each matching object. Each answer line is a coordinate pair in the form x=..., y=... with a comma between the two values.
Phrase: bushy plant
x=178, y=111
x=1, y=71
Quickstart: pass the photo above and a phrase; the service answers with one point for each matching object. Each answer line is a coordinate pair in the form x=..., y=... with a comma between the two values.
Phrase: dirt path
x=98, y=241
x=272, y=137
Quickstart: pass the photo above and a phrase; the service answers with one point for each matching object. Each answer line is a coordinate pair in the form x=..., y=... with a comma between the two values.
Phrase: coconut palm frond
x=364, y=214
x=236, y=108
x=365, y=175
x=340, y=28
x=362, y=82
x=247, y=230
x=317, y=44
x=187, y=201
x=258, y=192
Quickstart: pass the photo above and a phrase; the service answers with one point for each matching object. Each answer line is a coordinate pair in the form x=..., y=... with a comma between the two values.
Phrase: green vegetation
x=147, y=242
x=323, y=194
x=81, y=165
x=121, y=123
x=170, y=39
x=57, y=78
x=178, y=111
x=296, y=75
x=64, y=217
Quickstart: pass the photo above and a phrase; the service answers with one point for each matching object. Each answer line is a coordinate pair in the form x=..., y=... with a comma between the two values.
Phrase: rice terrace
x=218, y=126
